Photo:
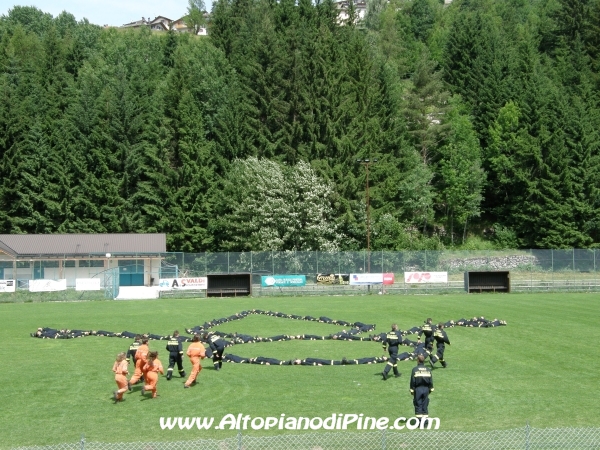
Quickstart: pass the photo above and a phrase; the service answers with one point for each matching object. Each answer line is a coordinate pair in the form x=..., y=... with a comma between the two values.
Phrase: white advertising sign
x=7, y=285
x=425, y=277
x=47, y=285
x=87, y=284
x=166, y=284
x=366, y=278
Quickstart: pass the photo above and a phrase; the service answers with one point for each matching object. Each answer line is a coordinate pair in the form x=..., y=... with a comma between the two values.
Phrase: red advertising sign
x=388, y=278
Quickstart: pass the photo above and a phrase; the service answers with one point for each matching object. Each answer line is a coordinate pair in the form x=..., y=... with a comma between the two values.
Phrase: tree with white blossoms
x=267, y=206
x=313, y=217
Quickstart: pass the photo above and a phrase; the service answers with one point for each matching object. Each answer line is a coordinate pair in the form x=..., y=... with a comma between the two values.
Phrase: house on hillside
x=179, y=25
x=360, y=10
x=160, y=23
x=137, y=258
x=136, y=23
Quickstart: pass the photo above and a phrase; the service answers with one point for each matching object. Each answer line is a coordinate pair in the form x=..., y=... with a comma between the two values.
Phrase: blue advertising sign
x=283, y=280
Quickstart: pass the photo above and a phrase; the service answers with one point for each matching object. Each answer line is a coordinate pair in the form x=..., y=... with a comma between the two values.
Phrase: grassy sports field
x=542, y=368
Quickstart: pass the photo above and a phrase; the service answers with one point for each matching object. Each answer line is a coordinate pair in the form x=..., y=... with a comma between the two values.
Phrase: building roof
x=135, y=24
x=156, y=19
x=82, y=244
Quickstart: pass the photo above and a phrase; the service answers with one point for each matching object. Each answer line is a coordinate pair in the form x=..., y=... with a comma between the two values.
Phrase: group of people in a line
x=352, y=331
x=394, y=338
x=421, y=379
x=241, y=315
x=148, y=366
x=262, y=360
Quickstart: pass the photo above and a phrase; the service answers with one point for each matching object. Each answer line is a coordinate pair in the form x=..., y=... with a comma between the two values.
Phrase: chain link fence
x=517, y=438
x=576, y=270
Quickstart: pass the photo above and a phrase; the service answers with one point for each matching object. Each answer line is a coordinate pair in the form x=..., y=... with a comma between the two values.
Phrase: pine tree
x=460, y=176
x=426, y=105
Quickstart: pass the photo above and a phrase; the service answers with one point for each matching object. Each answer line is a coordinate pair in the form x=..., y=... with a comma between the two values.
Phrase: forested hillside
x=483, y=117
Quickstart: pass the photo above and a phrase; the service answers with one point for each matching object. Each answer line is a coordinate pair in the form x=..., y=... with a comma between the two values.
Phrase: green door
x=131, y=272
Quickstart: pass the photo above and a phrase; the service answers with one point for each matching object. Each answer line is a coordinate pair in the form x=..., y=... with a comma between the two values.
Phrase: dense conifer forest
x=483, y=117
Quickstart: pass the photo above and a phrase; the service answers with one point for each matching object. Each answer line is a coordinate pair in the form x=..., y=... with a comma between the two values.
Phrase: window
x=50, y=264
x=91, y=263
x=131, y=266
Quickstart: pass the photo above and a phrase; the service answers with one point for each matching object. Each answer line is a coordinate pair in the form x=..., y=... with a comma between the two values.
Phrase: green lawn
x=542, y=368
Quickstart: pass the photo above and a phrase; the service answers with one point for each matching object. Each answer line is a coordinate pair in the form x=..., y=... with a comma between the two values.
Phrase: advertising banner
x=166, y=284
x=366, y=278
x=87, y=284
x=282, y=280
x=7, y=285
x=333, y=278
x=47, y=285
x=388, y=278
x=425, y=277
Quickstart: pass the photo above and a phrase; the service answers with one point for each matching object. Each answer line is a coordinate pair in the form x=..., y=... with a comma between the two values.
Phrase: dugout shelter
x=487, y=281
x=137, y=257
x=229, y=284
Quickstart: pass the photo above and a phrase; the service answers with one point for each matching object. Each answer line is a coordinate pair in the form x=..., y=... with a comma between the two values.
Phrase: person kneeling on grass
x=120, y=370
x=152, y=369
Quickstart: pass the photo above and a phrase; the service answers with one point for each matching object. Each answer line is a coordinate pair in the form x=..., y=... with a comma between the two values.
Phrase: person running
x=141, y=358
x=441, y=339
x=427, y=329
x=133, y=348
x=175, y=348
x=120, y=370
x=151, y=370
x=391, y=342
x=217, y=345
x=196, y=352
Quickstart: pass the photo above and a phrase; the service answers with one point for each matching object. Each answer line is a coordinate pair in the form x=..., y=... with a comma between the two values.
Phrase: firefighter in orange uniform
x=196, y=352
x=120, y=370
x=151, y=370
x=141, y=358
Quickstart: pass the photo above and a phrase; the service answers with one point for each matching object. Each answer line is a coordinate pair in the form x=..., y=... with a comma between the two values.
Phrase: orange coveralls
x=151, y=370
x=141, y=358
x=120, y=370
x=195, y=351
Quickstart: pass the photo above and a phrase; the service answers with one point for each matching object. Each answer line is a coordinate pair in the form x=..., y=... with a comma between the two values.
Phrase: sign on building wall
x=47, y=285
x=166, y=284
x=283, y=280
x=7, y=285
x=87, y=284
x=425, y=277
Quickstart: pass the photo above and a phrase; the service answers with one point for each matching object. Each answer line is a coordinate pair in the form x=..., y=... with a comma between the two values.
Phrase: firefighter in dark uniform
x=175, y=349
x=421, y=384
x=133, y=348
x=217, y=345
x=427, y=329
x=391, y=342
x=441, y=339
